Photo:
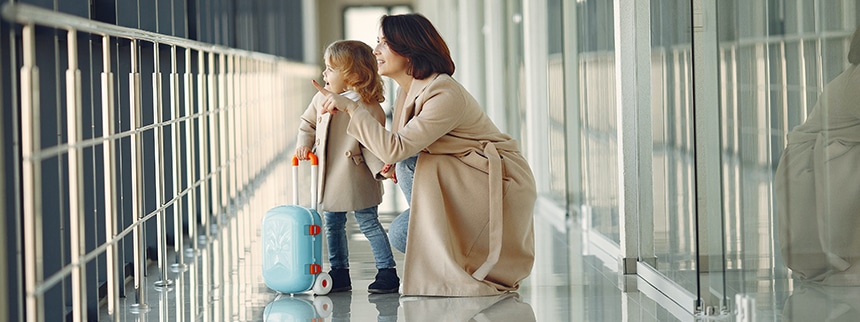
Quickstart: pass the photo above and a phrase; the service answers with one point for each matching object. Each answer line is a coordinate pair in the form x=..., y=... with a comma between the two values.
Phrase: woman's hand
x=334, y=102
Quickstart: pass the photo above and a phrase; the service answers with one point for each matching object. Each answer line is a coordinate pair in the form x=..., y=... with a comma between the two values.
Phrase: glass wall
x=655, y=224
x=673, y=159
x=789, y=126
x=597, y=117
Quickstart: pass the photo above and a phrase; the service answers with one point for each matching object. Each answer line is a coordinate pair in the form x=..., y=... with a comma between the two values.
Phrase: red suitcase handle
x=311, y=155
x=314, y=179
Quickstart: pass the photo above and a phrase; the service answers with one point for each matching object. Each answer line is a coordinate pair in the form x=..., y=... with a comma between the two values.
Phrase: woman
x=470, y=226
x=817, y=184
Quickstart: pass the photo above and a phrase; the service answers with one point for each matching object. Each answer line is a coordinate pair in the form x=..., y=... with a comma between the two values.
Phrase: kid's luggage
x=292, y=243
x=298, y=308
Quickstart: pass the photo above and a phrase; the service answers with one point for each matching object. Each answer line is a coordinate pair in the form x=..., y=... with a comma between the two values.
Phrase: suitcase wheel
x=323, y=306
x=322, y=284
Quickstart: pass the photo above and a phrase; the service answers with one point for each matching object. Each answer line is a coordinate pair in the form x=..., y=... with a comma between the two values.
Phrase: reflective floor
x=564, y=286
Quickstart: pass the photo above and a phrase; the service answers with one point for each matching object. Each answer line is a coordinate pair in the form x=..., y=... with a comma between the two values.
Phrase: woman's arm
x=438, y=115
x=439, y=111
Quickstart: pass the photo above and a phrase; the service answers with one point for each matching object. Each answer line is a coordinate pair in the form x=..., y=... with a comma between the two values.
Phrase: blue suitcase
x=298, y=308
x=292, y=243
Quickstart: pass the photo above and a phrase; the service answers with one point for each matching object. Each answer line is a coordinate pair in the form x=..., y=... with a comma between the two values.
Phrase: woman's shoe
x=386, y=282
x=340, y=281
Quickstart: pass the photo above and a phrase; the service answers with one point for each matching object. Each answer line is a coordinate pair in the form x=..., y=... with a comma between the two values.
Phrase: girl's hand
x=302, y=152
x=334, y=102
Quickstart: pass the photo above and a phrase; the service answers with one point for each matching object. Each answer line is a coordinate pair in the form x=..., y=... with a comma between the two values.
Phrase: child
x=349, y=176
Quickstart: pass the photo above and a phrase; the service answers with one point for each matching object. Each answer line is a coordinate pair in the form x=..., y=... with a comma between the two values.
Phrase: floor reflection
x=302, y=307
x=812, y=302
x=337, y=307
x=505, y=307
x=565, y=285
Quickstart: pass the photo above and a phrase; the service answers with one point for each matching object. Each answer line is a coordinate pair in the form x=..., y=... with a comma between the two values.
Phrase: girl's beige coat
x=471, y=225
x=347, y=173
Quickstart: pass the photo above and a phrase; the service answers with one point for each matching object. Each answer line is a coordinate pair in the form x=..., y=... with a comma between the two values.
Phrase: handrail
x=220, y=107
x=775, y=39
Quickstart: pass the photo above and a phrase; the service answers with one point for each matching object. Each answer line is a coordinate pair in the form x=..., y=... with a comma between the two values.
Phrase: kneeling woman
x=470, y=225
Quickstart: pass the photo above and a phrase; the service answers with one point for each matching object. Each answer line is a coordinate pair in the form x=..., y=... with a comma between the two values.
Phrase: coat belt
x=496, y=210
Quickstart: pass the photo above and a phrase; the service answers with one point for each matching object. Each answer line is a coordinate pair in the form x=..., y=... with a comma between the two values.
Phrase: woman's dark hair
x=414, y=37
x=854, y=52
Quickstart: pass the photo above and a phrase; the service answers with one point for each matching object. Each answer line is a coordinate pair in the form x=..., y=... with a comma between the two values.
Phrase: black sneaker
x=340, y=281
x=386, y=282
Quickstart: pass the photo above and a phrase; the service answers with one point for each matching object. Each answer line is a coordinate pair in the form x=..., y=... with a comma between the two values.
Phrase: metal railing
x=220, y=123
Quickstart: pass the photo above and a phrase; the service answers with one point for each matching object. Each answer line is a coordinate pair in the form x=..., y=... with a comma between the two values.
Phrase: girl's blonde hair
x=355, y=60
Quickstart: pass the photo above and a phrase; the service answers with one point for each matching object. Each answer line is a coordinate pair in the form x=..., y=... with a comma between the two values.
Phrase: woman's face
x=333, y=78
x=390, y=64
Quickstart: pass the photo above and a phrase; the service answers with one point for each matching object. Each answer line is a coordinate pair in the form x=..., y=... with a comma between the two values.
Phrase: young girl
x=350, y=176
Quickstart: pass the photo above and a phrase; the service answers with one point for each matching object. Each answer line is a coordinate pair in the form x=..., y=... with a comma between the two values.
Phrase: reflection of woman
x=811, y=302
x=470, y=229
x=818, y=184
x=503, y=307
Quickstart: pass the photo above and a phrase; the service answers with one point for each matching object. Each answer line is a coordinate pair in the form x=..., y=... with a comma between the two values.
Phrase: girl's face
x=390, y=64
x=333, y=78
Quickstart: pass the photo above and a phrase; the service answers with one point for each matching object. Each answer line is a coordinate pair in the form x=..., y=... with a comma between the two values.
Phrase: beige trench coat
x=347, y=173
x=817, y=184
x=471, y=224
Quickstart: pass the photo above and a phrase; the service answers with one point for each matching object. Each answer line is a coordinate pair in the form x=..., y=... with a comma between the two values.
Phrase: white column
x=310, y=36
x=537, y=100
x=633, y=95
x=573, y=125
x=470, y=43
x=494, y=62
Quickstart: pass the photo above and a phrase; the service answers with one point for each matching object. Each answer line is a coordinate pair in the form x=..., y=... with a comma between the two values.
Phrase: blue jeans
x=405, y=171
x=368, y=222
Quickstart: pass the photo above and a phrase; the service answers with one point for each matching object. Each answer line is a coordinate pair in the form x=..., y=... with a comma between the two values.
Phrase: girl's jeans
x=368, y=222
x=405, y=171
